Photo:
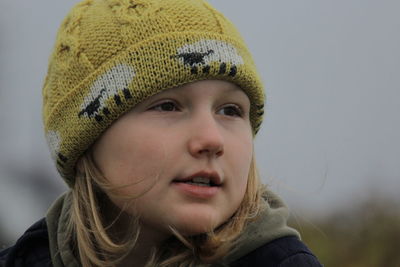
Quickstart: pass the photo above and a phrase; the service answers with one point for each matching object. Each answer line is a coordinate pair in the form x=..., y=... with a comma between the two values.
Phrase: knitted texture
x=112, y=54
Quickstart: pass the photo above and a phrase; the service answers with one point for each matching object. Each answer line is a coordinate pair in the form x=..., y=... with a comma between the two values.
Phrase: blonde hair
x=96, y=246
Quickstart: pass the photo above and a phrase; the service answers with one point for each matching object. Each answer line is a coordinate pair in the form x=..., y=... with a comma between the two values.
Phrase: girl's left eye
x=231, y=110
x=166, y=106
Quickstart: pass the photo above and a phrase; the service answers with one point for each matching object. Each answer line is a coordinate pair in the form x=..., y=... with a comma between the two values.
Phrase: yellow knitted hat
x=112, y=54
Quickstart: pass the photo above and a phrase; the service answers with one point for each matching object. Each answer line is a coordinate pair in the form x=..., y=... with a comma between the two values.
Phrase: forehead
x=208, y=87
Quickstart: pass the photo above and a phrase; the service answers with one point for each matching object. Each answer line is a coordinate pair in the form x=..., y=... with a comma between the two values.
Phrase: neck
x=141, y=252
x=147, y=242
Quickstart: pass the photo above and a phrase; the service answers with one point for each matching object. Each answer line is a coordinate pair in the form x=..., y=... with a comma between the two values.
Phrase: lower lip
x=203, y=192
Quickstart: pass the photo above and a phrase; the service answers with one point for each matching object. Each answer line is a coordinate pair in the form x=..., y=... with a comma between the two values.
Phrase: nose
x=206, y=137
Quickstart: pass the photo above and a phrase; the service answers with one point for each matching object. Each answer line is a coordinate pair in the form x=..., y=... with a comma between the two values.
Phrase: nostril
x=212, y=150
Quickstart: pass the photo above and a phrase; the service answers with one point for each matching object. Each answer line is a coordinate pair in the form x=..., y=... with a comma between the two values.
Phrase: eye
x=231, y=110
x=166, y=106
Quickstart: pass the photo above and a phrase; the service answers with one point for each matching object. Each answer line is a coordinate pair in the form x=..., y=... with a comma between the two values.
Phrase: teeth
x=201, y=180
x=198, y=184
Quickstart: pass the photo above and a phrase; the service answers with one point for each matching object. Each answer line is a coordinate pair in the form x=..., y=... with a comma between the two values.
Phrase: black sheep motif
x=199, y=55
x=111, y=84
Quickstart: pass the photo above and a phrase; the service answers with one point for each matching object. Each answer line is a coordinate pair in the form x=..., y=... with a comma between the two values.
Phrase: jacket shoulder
x=31, y=249
x=282, y=252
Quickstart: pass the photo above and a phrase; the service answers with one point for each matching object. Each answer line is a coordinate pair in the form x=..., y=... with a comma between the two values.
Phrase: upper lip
x=214, y=177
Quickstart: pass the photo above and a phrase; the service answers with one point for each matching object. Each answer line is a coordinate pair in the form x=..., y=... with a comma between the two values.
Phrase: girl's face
x=185, y=153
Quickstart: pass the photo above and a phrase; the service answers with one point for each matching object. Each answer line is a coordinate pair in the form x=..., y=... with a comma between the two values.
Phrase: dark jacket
x=32, y=250
x=282, y=252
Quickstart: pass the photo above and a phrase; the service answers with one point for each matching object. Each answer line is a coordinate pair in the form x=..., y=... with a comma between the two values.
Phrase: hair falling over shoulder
x=95, y=245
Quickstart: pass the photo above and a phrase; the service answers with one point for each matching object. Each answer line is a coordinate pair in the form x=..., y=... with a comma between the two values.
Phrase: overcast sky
x=332, y=75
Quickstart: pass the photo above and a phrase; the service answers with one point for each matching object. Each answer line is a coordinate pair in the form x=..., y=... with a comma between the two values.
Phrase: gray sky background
x=332, y=74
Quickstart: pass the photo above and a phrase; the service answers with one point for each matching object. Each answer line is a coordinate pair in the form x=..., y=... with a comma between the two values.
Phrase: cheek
x=131, y=160
x=240, y=161
x=241, y=153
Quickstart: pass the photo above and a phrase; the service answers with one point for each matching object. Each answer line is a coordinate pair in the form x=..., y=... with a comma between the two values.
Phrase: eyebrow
x=234, y=89
x=228, y=89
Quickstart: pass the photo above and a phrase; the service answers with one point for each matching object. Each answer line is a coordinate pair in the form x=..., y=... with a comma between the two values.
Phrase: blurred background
x=329, y=144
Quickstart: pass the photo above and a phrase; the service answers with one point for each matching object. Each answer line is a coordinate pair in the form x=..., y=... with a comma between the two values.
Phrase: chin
x=192, y=225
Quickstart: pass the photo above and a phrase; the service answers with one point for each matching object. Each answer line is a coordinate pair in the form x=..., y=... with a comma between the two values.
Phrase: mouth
x=203, y=179
x=203, y=185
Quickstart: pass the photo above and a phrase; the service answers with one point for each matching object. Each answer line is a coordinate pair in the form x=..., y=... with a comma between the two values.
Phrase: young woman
x=150, y=109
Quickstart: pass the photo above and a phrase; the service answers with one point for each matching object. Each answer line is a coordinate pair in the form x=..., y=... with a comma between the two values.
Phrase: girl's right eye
x=166, y=106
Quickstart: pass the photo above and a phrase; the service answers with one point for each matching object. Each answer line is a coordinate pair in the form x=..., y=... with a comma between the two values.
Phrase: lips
x=203, y=185
x=202, y=178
